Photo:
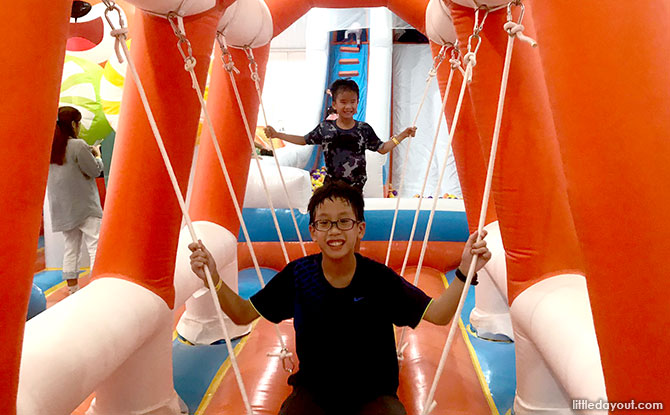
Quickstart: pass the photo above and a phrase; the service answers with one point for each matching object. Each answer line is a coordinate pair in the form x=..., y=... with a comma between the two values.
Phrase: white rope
x=189, y=66
x=230, y=64
x=121, y=41
x=424, y=245
x=431, y=74
x=253, y=68
x=425, y=178
x=430, y=403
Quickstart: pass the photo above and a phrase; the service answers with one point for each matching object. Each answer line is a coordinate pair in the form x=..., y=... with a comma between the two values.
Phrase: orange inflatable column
x=211, y=200
x=140, y=227
x=28, y=118
x=466, y=146
x=612, y=112
x=535, y=220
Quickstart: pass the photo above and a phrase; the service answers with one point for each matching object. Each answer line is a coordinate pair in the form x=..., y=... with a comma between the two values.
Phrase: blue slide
x=346, y=59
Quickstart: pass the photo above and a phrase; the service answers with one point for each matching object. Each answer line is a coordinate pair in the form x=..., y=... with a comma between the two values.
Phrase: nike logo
x=357, y=299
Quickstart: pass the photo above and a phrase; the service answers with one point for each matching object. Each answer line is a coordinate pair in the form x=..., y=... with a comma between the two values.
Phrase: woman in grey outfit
x=74, y=201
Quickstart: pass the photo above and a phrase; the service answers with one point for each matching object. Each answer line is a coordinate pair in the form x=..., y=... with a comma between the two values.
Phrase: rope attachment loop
x=286, y=359
x=120, y=34
x=515, y=29
x=477, y=29
x=226, y=57
x=470, y=58
x=253, y=65
x=439, y=58
x=177, y=23
x=455, y=60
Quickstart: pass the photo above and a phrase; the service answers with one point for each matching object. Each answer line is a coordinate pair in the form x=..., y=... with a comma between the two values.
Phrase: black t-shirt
x=344, y=150
x=345, y=339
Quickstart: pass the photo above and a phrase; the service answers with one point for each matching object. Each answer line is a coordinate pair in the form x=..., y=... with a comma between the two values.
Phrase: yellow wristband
x=395, y=140
x=218, y=285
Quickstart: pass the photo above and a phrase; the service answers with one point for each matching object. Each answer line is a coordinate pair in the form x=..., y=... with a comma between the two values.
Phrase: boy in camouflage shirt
x=344, y=140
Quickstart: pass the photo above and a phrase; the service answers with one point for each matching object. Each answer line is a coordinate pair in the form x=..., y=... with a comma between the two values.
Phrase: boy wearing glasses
x=341, y=293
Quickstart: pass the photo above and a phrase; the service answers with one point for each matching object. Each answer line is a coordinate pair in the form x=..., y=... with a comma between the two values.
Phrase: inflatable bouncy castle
x=556, y=112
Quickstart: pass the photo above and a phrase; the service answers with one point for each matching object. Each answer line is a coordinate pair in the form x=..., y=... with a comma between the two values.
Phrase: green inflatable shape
x=80, y=88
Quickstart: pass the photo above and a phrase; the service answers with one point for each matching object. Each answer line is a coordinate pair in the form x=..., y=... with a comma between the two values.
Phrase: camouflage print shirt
x=344, y=150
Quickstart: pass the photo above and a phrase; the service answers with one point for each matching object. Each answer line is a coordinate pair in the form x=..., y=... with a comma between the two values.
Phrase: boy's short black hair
x=344, y=85
x=337, y=189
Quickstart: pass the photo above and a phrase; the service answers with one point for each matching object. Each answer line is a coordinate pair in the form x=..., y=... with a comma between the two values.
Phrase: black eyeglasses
x=344, y=224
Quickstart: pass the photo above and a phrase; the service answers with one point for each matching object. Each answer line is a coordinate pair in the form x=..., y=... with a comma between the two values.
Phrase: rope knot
x=230, y=67
x=120, y=36
x=516, y=30
x=189, y=63
x=470, y=58
x=513, y=28
x=123, y=31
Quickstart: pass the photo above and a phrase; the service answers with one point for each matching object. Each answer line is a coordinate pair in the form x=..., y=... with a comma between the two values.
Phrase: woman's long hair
x=63, y=133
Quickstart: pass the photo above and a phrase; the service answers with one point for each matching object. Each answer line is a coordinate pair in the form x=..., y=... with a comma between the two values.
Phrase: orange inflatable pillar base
x=28, y=113
x=141, y=224
x=609, y=84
